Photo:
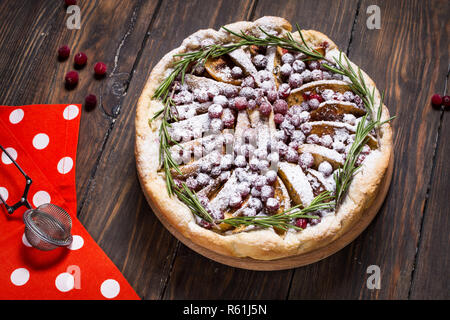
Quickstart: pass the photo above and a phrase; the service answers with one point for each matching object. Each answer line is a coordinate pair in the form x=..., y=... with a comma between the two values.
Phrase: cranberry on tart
x=256, y=142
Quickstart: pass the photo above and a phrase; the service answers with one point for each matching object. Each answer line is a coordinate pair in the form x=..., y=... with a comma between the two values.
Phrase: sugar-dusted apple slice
x=241, y=58
x=282, y=195
x=220, y=69
x=185, y=110
x=296, y=183
x=193, y=167
x=327, y=182
x=322, y=128
x=297, y=96
x=195, y=82
x=334, y=110
x=316, y=184
x=321, y=154
x=189, y=129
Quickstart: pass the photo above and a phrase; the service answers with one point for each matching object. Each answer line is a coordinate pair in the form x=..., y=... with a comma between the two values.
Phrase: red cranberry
x=301, y=223
x=271, y=176
x=265, y=109
x=446, y=101
x=313, y=65
x=236, y=72
x=64, y=52
x=272, y=95
x=228, y=118
x=71, y=78
x=272, y=205
x=240, y=103
x=306, y=160
x=287, y=58
x=316, y=96
x=291, y=155
x=91, y=101
x=280, y=106
x=80, y=59
x=249, y=81
x=100, y=68
x=260, y=61
x=436, y=100
x=278, y=118
x=215, y=111
x=284, y=90
x=205, y=224
x=235, y=200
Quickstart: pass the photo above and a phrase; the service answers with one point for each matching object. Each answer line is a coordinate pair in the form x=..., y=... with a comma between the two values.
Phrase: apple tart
x=276, y=140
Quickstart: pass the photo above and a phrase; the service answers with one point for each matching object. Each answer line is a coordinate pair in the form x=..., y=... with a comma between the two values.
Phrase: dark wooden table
x=408, y=57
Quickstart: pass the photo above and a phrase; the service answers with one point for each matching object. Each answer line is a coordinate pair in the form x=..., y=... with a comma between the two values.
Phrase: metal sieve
x=48, y=226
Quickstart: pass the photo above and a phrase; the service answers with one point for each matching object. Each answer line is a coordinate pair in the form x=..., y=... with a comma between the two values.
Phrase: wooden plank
x=115, y=212
x=31, y=73
x=238, y=283
x=408, y=58
x=430, y=280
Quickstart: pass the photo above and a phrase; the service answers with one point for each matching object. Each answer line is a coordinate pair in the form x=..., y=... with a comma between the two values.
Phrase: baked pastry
x=280, y=142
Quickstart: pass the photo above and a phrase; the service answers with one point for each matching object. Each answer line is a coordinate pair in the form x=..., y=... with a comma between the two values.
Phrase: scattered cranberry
x=240, y=103
x=272, y=204
x=64, y=52
x=71, y=78
x=278, y=118
x=265, y=109
x=272, y=95
x=301, y=223
x=446, y=101
x=280, y=106
x=80, y=59
x=100, y=68
x=91, y=101
x=236, y=72
x=70, y=2
x=284, y=90
x=436, y=100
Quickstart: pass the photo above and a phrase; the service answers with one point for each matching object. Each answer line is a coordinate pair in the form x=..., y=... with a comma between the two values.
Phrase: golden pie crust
x=261, y=244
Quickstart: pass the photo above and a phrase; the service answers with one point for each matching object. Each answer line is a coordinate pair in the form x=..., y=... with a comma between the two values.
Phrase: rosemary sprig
x=343, y=177
x=284, y=220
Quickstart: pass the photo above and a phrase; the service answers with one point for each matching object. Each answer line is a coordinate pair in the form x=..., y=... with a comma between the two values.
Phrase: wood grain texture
x=430, y=277
x=111, y=31
x=406, y=59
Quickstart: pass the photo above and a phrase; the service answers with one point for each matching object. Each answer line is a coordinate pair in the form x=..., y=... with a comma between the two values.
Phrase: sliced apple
x=241, y=58
x=297, y=95
x=195, y=82
x=198, y=107
x=220, y=69
x=321, y=128
x=334, y=110
x=296, y=183
x=321, y=154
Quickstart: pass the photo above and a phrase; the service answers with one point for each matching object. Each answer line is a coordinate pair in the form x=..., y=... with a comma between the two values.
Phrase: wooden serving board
x=294, y=261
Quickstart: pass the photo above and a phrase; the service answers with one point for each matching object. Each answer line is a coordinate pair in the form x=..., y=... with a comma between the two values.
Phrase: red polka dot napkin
x=42, y=139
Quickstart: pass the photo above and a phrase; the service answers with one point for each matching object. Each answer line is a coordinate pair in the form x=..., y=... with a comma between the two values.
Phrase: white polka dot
x=65, y=165
x=110, y=288
x=12, y=152
x=4, y=193
x=25, y=241
x=64, y=282
x=40, y=198
x=40, y=141
x=71, y=112
x=16, y=116
x=20, y=276
x=77, y=243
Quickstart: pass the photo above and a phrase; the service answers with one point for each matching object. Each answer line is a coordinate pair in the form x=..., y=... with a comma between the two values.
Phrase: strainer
x=46, y=227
